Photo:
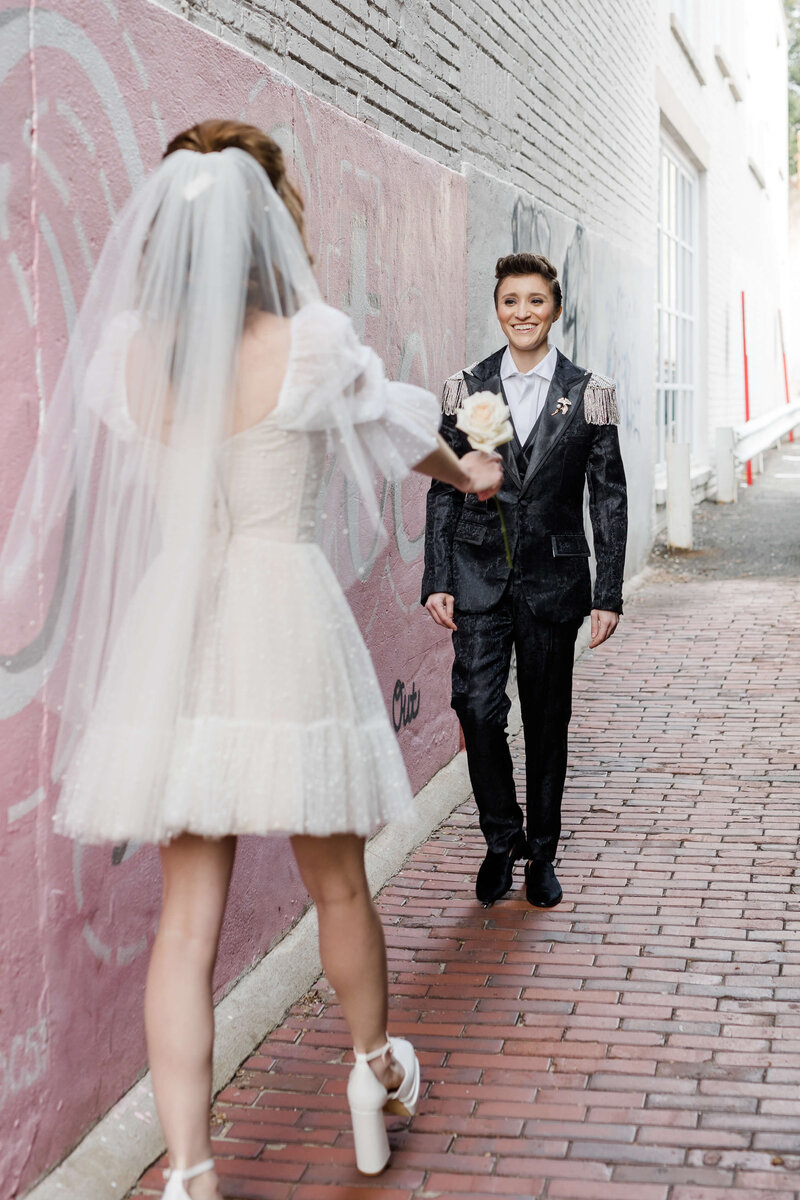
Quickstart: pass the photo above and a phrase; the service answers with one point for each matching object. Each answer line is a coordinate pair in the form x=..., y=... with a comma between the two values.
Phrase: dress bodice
x=268, y=482
x=266, y=479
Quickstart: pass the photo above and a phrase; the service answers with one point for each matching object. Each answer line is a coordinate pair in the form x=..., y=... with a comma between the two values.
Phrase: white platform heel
x=369, y=1100
x=175, y=1180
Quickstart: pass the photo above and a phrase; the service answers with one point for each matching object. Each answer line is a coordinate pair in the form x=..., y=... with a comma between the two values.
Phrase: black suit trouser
x=483, y=644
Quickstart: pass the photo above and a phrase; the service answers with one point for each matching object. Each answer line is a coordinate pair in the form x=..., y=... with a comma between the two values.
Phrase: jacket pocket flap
x=470, y=531
x=565, y=544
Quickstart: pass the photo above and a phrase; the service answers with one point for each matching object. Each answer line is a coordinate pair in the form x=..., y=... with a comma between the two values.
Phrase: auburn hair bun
x=209, y=137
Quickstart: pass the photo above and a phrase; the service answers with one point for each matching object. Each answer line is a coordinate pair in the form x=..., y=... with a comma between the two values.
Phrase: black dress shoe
x=494, y=877
x=542, y=889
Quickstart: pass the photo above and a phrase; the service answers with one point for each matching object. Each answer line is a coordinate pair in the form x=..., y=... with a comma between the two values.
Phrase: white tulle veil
x=125, y=467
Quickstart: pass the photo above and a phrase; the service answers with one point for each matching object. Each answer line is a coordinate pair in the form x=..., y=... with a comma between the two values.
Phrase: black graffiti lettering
x=405, y=706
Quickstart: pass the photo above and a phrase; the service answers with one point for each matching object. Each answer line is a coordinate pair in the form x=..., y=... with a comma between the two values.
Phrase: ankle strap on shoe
x=373, y=1054
x=191, y=1172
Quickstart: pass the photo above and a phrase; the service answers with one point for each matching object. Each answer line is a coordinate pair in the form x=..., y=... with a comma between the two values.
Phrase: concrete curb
x=112, y=1156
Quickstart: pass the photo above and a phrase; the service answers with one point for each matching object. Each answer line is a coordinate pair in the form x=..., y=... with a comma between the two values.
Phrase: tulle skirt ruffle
x=283, y=725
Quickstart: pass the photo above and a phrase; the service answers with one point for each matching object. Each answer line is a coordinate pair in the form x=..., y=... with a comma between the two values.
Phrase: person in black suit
x=565, y=423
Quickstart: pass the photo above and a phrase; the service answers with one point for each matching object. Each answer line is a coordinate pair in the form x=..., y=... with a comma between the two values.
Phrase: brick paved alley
x=641, y=1041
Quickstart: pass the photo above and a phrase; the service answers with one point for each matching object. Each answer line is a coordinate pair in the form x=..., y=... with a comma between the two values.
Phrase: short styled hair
x=528, y=264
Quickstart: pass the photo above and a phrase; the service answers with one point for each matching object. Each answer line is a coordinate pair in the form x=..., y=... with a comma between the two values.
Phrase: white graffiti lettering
x=25, y=1060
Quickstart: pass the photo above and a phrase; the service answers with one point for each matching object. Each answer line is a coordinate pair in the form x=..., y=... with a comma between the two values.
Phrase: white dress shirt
x=526, y=393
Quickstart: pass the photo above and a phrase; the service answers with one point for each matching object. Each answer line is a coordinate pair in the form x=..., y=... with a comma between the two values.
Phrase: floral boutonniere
x=485, y=419
x=562, y=407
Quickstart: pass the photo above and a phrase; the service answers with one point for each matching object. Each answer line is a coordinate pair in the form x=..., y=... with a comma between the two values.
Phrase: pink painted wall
x=108, y=82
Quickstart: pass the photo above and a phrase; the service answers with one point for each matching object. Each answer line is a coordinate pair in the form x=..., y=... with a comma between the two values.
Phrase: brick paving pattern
x=642, y=1040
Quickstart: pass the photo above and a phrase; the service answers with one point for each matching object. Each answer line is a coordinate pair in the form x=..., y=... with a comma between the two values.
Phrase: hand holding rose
x=484, y=473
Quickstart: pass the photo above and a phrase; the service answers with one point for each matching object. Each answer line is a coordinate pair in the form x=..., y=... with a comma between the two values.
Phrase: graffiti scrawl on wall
x=531, y=233
x=405, y=704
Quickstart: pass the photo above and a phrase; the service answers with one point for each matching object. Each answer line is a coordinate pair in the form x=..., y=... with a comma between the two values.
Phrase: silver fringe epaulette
x=600, y=401
x=454, y=391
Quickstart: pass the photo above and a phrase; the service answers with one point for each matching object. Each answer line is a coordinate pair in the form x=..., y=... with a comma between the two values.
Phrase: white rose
x=484, y=418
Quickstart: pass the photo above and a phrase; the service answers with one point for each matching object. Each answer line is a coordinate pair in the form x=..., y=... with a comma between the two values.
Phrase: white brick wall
x=791, y=316
x=555, y=97
x=742, y=224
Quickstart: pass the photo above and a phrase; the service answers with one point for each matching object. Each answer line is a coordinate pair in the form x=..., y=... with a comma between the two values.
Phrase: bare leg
x=350, y=939
x=179, y=1015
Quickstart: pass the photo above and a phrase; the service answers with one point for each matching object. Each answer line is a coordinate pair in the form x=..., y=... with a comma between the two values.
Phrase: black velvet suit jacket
x=464, y=553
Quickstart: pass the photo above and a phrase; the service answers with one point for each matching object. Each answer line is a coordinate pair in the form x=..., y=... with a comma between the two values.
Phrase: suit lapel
x=551, y=425
x=485, y=377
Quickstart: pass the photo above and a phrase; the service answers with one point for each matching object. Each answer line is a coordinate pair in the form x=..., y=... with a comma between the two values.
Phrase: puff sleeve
x=336, y=385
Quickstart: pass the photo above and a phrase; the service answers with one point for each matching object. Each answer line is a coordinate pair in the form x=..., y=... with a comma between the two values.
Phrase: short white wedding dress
x=282, y=724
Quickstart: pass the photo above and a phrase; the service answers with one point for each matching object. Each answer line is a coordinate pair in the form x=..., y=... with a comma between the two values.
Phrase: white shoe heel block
x=366, y=1097
x=369, y=1100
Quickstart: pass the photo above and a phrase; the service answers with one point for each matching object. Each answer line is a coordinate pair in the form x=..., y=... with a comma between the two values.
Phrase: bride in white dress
x=214, y=681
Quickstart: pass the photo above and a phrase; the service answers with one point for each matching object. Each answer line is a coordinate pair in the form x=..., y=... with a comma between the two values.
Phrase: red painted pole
x=746, y=390
x=785, y=369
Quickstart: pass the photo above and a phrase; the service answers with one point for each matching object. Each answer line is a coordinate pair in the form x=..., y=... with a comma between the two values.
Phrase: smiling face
x=526, y=311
